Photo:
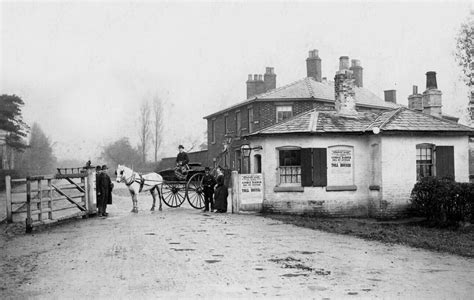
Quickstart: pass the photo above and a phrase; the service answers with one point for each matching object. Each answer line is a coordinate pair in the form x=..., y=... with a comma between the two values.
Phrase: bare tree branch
x=144, y=128
x=158, y=124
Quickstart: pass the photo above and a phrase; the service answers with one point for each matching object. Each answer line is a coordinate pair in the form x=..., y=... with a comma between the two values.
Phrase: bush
x=443, y=201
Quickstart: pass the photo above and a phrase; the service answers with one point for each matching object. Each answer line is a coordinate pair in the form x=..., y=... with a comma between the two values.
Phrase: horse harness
x=140, y=180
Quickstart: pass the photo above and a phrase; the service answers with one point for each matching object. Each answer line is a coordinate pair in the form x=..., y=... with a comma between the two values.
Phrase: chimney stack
x=432, y=96
x=357, y=69
x=269, y=78
x=431, y=81
x=344, y=91
x=343, y=63
x=391, y=96
x=251, y=88
x=313, y=65
x=415, y=100
x=259, y=85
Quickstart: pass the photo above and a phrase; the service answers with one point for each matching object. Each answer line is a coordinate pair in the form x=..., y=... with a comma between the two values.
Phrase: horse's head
x=122, y=173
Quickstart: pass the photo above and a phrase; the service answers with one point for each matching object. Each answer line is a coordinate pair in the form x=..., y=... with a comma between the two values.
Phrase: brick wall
x=264, y=116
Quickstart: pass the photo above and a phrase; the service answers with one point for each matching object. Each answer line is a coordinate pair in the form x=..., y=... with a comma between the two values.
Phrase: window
x=302, y=166
x=238, y=120
x=424, y=161
x=213, y=130
x=433, y=160
x=226, y=124
x=283, y=113
x=290, y=166
x=250, y=120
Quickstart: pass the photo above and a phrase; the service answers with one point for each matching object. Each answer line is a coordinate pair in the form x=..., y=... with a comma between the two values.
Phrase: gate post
x=8, y=191
x=235, y=192
x=90, y=191
x=29, y=222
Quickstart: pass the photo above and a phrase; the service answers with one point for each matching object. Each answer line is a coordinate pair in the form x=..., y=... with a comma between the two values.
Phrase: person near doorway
x=220, y=195
x=208, y=183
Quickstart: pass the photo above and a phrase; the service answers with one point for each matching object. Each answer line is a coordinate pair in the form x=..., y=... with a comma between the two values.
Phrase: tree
x=38, y=157
x=144, y=128
x=464, y=55
x=157, y=124
x=121, y=152
x=11, y=121
x=465, y=49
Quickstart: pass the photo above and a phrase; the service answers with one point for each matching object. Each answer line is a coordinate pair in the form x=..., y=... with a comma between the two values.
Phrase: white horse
x=137, y=183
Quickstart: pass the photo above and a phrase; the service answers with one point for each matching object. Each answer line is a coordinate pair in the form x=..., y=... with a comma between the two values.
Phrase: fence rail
x=46, y=198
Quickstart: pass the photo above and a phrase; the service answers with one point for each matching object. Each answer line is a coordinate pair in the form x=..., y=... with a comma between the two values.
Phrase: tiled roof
x=310, y=88
x=307, y=89
x=401, y=119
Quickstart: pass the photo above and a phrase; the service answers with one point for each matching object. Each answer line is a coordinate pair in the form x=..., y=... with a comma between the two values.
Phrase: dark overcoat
x=98, y=189
x=220, y=195
x=106, y=187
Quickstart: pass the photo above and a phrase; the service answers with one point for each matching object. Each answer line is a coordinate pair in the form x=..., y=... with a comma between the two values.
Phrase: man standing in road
x=106, y=187
x=208, y=183
x=98, y=190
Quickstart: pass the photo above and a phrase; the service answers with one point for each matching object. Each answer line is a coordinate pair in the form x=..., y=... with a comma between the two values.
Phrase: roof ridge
x=396, y=112
x=313, y=122
x=308, y=85
x=276, y=89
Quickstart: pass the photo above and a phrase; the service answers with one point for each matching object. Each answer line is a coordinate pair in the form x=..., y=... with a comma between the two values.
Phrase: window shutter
x=445, y=161
x=306, y=176
x=319, y=167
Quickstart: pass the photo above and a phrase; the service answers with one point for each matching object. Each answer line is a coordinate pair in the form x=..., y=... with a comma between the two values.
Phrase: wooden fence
x=50, y=198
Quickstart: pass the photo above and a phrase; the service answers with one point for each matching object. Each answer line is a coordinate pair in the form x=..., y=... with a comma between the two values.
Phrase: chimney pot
x=343, y=63
x=260, y=77
x=431, y=81
x=357, y=72
x=391, y=96
x=269, y=70
x=250, y=77
x=313, y=65
x=269, y=79
x=255, y=77
x=355, y=63
x=415, y=89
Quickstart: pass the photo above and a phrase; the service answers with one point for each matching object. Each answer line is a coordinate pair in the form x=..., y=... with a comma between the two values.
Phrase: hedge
x=443, y=201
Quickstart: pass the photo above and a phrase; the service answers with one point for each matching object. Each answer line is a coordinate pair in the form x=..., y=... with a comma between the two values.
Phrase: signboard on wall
x=251, y=188
x=340, y=165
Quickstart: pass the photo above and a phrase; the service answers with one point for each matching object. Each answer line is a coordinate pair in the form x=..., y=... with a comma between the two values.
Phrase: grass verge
x=413, y=233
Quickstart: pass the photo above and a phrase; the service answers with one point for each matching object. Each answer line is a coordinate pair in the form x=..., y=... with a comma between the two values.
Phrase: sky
x=84, y=67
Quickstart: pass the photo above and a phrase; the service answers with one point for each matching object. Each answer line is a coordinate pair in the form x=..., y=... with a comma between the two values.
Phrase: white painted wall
x=335, y=201
x=399, y=165
x=394, y=164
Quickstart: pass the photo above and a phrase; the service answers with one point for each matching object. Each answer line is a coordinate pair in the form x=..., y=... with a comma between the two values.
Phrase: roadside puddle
x=184, y=249
x=212, y=261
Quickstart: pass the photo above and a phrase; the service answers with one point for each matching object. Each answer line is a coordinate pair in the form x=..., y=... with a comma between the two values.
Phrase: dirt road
x=186, y=253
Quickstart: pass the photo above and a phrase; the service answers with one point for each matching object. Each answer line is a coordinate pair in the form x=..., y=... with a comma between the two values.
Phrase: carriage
x=175, y=190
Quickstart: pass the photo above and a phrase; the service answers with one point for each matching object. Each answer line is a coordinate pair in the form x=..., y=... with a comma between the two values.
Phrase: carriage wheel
x=195, y=191
x=173, y=193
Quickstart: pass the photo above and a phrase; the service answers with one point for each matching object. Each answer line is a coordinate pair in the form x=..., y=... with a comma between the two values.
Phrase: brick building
x=267, y=105
x=357, y=162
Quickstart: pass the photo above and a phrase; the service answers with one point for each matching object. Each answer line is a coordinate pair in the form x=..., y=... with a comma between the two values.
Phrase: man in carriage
x=182, y=161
